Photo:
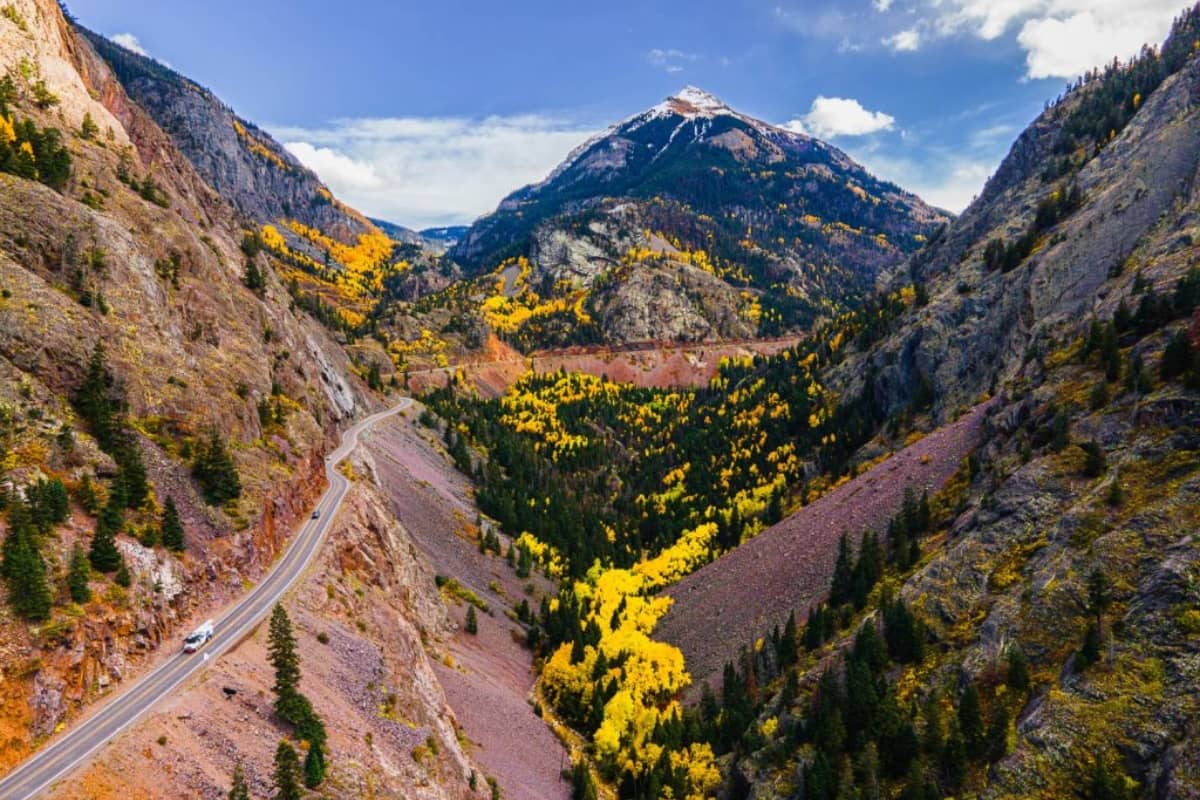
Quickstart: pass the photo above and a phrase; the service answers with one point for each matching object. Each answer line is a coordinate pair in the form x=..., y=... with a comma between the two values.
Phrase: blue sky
x=427, y=113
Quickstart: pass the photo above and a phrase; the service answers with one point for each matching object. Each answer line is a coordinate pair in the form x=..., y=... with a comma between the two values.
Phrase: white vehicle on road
x=198, y=637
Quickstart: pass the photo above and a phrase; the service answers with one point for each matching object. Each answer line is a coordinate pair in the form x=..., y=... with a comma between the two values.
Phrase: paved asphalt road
x=74, y=747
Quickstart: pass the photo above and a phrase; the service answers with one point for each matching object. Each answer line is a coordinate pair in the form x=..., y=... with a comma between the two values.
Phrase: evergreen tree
x=970, y=721
x=524, y=562
x=25, y=572
x=253, y=277
x=866, y=772
x=1018, y=669
x=472, y=623
x=239, y=790
x=997, y=736
x=132, y=475
x=1094, y=461
x=1110, y=353
x=171, y=527
x=287, y=773
x=104, y=555
x=314, y=765
x=954, y=757
x=1099, y=593
x=1089, y=653
x=841, y=591
x=93, y=399
x=281, y=652
x=78, y=574
x=122, y=577
x=1177, y=357
x=1103, y=785
x=86, y=494
x=216, y=473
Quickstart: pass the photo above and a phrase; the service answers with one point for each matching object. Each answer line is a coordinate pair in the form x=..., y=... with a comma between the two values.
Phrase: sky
x=427, y=112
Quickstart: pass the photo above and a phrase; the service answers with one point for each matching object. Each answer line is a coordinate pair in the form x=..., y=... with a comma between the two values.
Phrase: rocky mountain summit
x=783, y=226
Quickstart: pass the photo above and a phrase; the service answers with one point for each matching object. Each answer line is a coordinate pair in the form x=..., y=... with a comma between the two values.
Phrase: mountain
x=242, y=162
x=157, y=353
x=692, y=198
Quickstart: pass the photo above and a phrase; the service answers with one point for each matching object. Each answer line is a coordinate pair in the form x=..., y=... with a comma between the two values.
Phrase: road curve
x=64, y=754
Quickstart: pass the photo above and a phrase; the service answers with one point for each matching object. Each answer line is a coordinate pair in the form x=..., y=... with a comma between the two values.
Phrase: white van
x=198, y=637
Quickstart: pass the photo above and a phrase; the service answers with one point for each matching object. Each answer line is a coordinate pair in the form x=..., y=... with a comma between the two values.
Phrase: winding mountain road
x=74, y=747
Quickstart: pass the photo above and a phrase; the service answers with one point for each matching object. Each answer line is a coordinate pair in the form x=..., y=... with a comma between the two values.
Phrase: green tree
x=954, y=757
x=253, y=277
x=841, y=590
x=104, y=555
x=1099, y=593
x=123, y=577
x=314, y=765
x=88, y=129
x=472, y=624
x=216, y=473
x=287, y=773
x=1094, y=460
x=239, y=790
x=171, y=527
x=78, y=574
x=281, y=652
x=93, y=399
x=997, y=736
x=970, y=721
x=24, y=570
x=1018, y=668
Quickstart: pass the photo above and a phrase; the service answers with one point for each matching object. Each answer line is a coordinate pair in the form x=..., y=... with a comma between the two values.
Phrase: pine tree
x=954, y=757
x=970, y=721
x=281, y=652
x=1018, y=669
x=171, y=527
x=866, y=770
x=122, y=577
x=216, y=473
x=314, y=765
x=842, y=588
x=78, y=575
x=25, y=573
x=104, y=555
x=239, y=790
x=472, y=623
x=1099, y=593
x=93, y=399
x=253, y=277
x=1089, y=652
x=1094, y=461
x=287, y=773
x=88, y=129
x=86, y=494
x=997, y=736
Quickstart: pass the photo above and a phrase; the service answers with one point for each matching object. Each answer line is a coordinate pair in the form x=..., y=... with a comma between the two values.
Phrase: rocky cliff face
x=139, y=253
x=242, y=162
x=1138, y=212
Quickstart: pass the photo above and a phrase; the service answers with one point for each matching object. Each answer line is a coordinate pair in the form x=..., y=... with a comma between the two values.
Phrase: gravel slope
x=742, y=595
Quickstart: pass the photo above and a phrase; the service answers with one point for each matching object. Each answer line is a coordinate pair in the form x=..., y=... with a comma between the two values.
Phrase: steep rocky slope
x=1055, y=592
x=692, y=221
x=135, y=251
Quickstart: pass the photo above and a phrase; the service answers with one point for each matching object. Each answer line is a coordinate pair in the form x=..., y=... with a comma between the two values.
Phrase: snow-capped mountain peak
x=691, y=101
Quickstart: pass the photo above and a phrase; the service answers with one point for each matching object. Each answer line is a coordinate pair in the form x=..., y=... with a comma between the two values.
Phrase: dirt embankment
x=489, y=676
x=659, y=364
x=729, y=603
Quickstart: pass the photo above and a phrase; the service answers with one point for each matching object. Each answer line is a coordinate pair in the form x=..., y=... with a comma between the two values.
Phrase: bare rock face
x=242, y=162
x=1141, y=205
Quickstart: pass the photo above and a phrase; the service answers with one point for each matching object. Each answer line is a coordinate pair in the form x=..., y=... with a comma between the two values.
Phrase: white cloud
x=427, y=171
x=905, y=41
x=130, y=42
x=670, y=60
x=1060, y=38
x=840, y=116
x=882, y=5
